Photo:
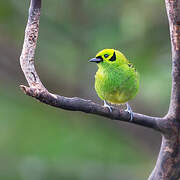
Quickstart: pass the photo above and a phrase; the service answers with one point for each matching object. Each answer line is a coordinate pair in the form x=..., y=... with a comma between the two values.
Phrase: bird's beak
x=97, y=60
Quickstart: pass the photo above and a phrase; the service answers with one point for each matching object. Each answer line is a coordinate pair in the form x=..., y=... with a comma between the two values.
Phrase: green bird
x=116, y=80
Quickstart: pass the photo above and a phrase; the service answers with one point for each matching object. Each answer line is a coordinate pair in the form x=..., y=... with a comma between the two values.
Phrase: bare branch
x=29, y=47
x=168, y=163
x=87, y=106
x=38, y=91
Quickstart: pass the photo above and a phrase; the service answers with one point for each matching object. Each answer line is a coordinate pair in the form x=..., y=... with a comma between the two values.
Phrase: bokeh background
x=39, y=142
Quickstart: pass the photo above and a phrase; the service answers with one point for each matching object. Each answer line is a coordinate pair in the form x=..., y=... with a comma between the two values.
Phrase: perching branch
x=87, y=106
x=168, y=163
x=38, y=91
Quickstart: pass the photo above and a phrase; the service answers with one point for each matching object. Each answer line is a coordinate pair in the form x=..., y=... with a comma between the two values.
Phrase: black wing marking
x=131, y=66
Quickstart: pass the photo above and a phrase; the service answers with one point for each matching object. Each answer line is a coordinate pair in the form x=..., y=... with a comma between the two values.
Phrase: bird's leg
x=108, y=106
x=129, y=110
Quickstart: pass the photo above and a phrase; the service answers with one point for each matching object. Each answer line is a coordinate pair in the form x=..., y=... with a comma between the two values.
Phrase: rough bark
x=168, y=163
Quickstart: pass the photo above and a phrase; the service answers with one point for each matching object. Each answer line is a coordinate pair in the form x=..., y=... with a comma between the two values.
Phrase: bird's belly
x=114, y=90
x=116, y=97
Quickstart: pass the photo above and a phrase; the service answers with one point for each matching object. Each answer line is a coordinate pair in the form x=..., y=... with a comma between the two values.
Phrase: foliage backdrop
x=40, y=142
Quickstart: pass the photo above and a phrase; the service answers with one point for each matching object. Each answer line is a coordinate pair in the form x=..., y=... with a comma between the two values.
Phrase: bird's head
x=109, y=57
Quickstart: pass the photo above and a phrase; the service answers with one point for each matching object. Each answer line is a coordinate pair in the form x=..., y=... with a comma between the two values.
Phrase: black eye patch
x=113, y=58
x=106, y=55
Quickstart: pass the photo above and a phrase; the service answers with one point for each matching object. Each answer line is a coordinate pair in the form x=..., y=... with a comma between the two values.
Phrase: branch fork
x=168, y=163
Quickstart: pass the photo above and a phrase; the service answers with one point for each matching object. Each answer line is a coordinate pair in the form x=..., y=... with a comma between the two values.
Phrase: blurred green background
x=39, y=142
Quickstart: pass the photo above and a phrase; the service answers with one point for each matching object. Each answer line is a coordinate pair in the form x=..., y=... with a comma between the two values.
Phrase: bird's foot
x=129, y=110
x=108, y=106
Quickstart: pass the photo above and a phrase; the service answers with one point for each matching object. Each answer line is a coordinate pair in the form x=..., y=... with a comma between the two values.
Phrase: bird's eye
x=106, y=55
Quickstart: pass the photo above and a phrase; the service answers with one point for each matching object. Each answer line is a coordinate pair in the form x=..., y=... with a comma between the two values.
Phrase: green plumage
x=116, y=80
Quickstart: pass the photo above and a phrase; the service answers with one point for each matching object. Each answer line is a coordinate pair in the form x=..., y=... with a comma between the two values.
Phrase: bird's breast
x=115, y=86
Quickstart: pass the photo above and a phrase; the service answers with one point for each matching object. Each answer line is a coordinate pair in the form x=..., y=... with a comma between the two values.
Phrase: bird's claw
x=129, y=110
x=108, y=106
